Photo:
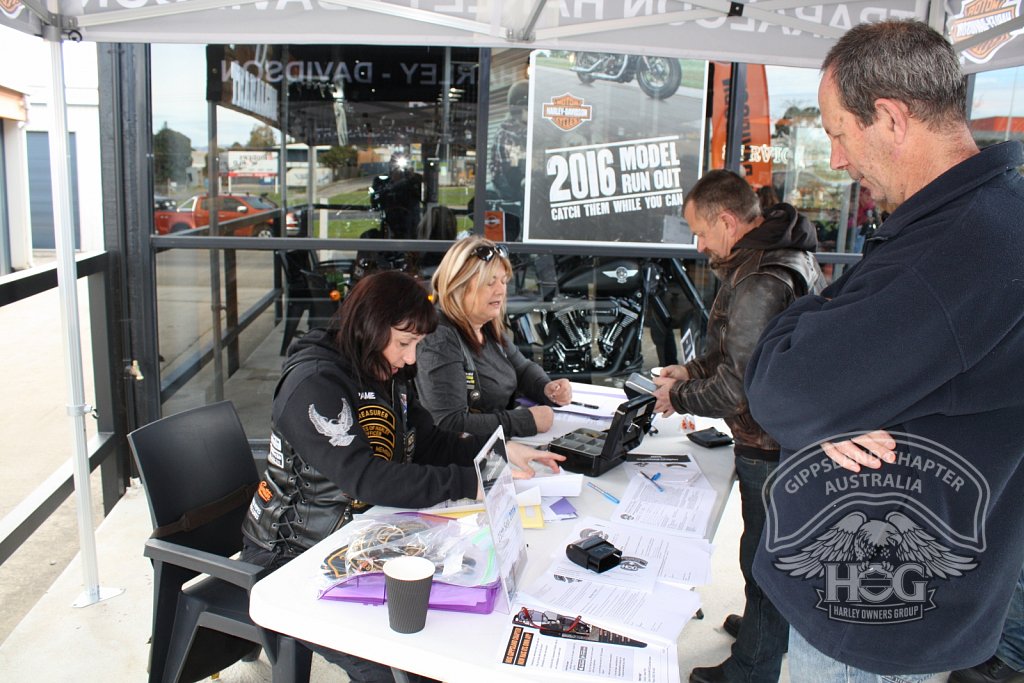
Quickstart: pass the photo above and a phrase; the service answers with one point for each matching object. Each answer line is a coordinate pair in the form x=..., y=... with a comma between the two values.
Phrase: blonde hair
x=459, y=268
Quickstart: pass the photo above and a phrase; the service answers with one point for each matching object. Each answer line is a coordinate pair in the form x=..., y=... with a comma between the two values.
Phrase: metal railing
x=108, y=449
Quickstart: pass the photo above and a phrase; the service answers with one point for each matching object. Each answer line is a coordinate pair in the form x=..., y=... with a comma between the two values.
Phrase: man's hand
x=867, y=449
x=520, y=457
x=559, y=391
x=662, y=402
x=677, y=372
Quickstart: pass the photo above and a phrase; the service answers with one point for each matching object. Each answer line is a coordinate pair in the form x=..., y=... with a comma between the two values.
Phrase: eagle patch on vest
x=336, y=430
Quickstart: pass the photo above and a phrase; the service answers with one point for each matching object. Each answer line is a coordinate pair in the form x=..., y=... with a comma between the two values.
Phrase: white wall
x=25, y=66
x=16, y=165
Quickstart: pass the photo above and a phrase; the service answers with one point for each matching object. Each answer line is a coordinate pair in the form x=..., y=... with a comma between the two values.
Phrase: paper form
x=683, y=510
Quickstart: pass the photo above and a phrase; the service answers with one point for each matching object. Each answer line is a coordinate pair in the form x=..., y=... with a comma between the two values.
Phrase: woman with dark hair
x=348, y=433
x=470, y=372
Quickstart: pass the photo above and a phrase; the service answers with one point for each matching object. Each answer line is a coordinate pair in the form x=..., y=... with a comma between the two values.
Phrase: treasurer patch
x=379, y=425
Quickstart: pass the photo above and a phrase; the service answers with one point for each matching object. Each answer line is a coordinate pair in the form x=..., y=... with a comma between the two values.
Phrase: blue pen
x=656, y=477
x=603, y=492
x=651, y=479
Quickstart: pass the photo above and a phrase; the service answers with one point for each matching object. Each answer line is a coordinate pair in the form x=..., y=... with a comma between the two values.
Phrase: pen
x=656, y=477
x=584, y=405
x=656, y=484
x=603, y=492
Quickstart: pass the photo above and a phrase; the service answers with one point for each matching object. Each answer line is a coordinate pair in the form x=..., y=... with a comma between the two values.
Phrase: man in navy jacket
x=901, y=558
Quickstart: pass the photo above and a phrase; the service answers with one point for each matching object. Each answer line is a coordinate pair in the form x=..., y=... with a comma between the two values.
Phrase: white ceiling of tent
x=784, y=32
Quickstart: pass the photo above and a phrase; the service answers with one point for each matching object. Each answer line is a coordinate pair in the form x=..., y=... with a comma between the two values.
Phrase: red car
x=195, y=213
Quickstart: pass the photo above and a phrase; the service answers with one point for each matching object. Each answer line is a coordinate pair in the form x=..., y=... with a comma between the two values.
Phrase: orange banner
x=757, y=130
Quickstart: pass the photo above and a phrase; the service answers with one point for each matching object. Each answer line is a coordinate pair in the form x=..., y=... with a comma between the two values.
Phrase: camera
x=594, y=553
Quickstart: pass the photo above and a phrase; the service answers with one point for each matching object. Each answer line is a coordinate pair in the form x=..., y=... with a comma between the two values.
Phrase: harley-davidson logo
x=978, y=16
x=9, y=5
x=567, y=112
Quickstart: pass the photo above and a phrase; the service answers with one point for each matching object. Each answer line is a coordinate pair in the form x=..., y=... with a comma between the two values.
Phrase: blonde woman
x=469, y=373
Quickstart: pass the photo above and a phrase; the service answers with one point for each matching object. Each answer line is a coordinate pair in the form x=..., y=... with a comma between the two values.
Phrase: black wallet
x=710, y=438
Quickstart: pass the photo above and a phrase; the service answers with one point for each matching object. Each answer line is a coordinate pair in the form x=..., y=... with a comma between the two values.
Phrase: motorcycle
x=658, y=77
x=592, y=326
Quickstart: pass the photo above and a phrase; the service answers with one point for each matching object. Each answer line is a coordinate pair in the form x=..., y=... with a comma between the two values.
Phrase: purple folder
x=369, y=590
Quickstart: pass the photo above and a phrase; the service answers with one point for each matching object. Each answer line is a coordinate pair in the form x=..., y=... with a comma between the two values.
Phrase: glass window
x=997, y=108
x=800, y=162
x=334, y=141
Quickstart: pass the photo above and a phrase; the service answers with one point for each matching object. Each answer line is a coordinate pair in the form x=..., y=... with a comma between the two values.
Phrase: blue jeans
x=808, y=665
x=1011, y=645
x=757, y=653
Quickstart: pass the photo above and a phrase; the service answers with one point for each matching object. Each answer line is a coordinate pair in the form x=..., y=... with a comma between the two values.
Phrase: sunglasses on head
x=485, y=252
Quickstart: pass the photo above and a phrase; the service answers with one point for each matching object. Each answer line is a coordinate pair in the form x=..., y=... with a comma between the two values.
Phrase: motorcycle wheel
x=659, y=77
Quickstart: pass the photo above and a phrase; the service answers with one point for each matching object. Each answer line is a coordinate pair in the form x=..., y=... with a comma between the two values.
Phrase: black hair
x=378, y=303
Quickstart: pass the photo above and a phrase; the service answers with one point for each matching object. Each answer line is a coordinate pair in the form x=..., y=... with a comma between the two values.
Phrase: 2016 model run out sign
x=617, y=177
x=609, y=162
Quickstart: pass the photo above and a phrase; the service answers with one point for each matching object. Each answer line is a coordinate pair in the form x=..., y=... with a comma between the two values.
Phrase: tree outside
x=172, y=155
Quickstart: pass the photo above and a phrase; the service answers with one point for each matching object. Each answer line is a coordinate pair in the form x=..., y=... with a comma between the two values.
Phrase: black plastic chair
x=199, y=475
x=307, y=291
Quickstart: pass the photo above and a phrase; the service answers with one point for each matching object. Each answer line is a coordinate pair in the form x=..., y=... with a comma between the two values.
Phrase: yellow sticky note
x=531, y=516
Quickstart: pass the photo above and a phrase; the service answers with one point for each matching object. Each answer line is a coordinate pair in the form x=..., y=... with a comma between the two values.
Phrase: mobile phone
x=641, y=384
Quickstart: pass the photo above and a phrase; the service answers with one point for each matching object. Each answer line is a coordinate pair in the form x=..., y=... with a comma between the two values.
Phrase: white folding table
x=456, y=647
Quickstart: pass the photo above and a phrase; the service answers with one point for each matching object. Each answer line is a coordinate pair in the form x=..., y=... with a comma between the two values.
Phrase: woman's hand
x=520, y=457
x=543, y=417
x=558, y=392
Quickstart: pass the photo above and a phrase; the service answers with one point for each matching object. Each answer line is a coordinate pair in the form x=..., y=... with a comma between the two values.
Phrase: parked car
x=161, y=203
x=194, y=212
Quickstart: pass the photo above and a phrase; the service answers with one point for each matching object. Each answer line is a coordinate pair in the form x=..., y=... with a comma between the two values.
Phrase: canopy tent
x=783, y=32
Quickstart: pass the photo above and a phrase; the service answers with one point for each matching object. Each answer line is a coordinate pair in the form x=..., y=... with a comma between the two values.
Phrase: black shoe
x=732, y=625
x=709, y=674
x=992, y=671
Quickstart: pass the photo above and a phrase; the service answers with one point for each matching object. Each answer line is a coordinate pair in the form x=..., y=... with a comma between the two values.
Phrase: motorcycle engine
x=592, y=338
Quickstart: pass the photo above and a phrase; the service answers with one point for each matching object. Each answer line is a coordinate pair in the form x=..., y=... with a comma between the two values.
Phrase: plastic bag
x=466, y=576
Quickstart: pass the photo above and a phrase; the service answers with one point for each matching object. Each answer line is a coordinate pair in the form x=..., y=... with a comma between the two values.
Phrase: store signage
x=251, y=94
x=757, y=152
x=566, y=112
x=978, y=16
x=612, y=166
x=235, y=80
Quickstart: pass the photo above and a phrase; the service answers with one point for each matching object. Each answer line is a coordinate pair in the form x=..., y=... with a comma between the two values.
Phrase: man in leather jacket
x=764, y=262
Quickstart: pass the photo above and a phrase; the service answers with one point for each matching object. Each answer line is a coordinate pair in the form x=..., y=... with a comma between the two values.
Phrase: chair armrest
x=242, y=574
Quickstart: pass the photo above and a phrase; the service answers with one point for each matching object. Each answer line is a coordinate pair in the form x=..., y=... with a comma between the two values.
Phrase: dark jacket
x=339, y=445
x=923, y=337
x=502, y=374
x=766, y=271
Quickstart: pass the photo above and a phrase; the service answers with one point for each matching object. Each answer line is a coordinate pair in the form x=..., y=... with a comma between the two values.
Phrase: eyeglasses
x=486, y=252
x=549, y=621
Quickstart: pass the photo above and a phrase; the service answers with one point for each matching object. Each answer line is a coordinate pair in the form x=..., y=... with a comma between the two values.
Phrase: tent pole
x=67, y=287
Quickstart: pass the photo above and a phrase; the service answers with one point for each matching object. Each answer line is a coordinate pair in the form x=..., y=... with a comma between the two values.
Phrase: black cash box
x=593, y=452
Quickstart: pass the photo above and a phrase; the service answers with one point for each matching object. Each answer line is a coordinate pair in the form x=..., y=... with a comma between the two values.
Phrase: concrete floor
x=51, y=640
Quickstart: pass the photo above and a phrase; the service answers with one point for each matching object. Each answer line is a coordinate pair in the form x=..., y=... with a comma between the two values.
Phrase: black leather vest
x=295, y=506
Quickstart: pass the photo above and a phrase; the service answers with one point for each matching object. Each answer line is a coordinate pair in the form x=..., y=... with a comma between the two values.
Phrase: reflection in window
x=997, y=109
x=801, y=172
x=357, y=140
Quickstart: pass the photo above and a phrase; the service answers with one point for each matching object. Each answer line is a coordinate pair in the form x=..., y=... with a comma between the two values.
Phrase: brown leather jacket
x=766, y=271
